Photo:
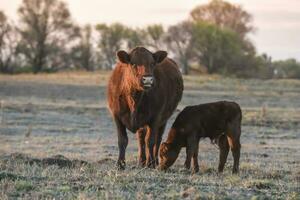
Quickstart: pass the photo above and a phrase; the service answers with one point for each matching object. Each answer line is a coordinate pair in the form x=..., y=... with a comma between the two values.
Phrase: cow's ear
x=123, y=56
x=159, y=56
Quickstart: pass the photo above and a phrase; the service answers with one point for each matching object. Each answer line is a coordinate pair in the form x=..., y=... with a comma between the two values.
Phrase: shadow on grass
x=58, y=160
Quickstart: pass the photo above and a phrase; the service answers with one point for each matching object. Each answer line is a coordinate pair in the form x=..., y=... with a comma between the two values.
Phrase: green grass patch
x=23, y=186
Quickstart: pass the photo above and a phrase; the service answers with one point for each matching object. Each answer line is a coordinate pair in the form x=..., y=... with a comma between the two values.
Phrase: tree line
x=213, y=39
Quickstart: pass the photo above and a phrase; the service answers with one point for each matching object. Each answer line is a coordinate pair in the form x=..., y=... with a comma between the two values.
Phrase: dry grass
x=73, y=78
x=65, y=115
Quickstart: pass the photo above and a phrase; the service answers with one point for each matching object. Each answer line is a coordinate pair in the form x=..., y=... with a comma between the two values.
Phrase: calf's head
x=143, y=63
x=167, y=155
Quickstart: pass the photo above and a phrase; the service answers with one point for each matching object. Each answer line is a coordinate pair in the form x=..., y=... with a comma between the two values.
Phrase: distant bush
x=258, y=66
x=220, y=50
x=289, y=68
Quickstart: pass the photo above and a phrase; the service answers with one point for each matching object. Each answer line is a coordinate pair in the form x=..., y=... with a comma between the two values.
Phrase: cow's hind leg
x=122, y=143
x=224, y=149
x=140, y=134
x=233, y=136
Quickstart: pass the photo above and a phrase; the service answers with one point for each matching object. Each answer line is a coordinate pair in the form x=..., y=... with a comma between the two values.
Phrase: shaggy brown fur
x=141, y=109
x=123, y=81
x=219, y=121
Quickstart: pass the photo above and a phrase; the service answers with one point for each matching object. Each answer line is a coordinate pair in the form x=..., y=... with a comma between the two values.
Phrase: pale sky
x=277, y=22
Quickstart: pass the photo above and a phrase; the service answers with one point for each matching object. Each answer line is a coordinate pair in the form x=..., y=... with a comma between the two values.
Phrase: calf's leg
x=224, y=149
x=192, y=152
x=189, y=154
x=195, y=158
x=233, y=137
x=236, y=156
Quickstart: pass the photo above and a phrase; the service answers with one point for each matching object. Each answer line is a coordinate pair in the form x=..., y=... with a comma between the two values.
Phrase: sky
x=277, y=22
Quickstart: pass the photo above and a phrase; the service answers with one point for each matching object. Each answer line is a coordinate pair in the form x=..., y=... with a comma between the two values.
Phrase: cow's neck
x=140, y=107
x=139, y=99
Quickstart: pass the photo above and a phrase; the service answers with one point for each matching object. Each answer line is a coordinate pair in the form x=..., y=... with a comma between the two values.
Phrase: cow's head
x=143, y=63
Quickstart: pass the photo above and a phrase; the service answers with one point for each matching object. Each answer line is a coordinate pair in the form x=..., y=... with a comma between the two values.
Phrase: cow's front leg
x=158, y=138
x=122, y=143
x=150, y=141
x=140, y=134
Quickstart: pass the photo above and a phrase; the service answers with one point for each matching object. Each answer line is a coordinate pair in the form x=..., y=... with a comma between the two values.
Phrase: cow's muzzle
x=147, y=81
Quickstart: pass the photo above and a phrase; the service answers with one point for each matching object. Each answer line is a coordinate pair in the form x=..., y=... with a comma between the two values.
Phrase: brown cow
x=143, y=92
x=219, y=121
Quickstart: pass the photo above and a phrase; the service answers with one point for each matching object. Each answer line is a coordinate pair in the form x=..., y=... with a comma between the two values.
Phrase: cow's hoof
x=142, y=164
x=161, y=168
x=151, y=165
x=121, y=165
x=220, y=170
x=187, y=166
x=195, y=170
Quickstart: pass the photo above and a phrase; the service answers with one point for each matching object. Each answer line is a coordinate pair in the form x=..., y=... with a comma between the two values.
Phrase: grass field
x=58, y=141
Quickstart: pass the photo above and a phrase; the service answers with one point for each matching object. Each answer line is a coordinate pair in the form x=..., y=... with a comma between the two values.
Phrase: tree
x=112, y=39
x=224, y=15
x=83, y=54
x=46, y=31
x=288, y=68
x=178, y=40
x=135, y=37
x=8, y=45
x=154, y=36
x=219, y=50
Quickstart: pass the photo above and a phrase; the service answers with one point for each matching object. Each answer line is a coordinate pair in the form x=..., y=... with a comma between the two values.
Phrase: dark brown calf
x=219, y=121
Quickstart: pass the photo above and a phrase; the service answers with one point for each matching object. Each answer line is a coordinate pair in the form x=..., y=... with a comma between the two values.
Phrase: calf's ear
x=168, y=146
x=159, y=56
x=163, y=147
x=123, y=56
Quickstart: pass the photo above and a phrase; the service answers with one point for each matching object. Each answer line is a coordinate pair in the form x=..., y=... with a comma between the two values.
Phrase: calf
x=219, y=121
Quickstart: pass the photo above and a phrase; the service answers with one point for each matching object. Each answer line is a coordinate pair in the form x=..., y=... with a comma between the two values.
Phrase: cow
x=143, y=92
x=219, y=121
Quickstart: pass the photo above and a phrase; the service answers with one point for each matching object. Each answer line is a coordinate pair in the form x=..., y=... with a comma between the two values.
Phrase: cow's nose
x=147, y=81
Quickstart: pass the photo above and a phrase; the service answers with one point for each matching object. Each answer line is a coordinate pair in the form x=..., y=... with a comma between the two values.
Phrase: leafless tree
x=111, y=39
x=224, y=14
x=178, y=40
x=46, y=30
x=154, y=36
x=83, y=54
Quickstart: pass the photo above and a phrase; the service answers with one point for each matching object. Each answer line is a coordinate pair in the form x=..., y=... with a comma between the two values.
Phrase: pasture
x=58, y=140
